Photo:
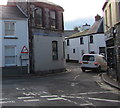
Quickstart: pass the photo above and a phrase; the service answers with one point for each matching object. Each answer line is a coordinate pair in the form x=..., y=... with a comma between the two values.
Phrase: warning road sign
x=24, y=50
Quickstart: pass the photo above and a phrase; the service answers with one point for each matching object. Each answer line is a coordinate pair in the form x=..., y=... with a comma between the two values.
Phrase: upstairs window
x=73, y=50
x=110, y=13
x=53, y=19
x=91, y=39
x=10, y=28
x=39, y=17
x=68, y=42
x=119, y=9
x=81, y=40
x=55, y=50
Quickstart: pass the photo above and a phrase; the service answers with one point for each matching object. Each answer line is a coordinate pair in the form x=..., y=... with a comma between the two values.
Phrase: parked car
x=93, y=62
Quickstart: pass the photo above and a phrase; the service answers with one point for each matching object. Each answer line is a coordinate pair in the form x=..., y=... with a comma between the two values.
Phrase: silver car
x=93, y=62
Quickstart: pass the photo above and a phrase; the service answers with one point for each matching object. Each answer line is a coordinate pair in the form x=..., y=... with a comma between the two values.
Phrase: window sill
x=10, y=65
x=11, y=37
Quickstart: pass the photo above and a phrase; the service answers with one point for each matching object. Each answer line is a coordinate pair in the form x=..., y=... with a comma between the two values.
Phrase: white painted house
x=88, y=41
x=13, y=37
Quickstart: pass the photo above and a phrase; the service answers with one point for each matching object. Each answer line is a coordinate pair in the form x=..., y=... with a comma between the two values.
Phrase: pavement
x=111, y=81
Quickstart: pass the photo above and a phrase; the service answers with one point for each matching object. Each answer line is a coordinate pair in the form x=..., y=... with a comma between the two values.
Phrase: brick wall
x=46, y=8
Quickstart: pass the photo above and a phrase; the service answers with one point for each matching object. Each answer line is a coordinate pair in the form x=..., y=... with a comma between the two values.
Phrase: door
x=10, y=56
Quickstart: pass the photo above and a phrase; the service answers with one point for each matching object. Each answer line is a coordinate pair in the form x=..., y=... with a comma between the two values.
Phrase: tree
x=76, y=28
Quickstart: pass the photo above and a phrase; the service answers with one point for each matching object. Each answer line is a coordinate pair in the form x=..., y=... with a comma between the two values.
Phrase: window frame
x=91, y=39
x=55, y=50
x=15, y=63
x=68, y=42
x=74, y=51
x=39, y=17
x=9, y=29
x=53, y=26
x=81, y=41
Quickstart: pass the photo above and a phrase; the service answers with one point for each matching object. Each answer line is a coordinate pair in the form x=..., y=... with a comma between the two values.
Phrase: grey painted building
x=45, y=35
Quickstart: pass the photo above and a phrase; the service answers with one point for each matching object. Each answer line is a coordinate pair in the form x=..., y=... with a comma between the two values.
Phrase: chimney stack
x=97, y=17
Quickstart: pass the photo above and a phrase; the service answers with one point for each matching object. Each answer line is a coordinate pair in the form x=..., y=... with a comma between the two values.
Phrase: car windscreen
x=88, y=58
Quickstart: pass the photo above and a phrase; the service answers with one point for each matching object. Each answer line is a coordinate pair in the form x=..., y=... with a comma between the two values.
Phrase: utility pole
x=31, y=56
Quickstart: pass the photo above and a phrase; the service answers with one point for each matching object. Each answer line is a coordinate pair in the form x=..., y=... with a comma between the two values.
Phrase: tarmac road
x=71, y=88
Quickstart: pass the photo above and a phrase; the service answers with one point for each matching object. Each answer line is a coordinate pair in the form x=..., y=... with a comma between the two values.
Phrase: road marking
x=73, y=84
x=76, y=77
x=20, y=88
x=107, y=100
x=32, y=100
x=85, y=104
x=26, y=97
x=49, y=96
x=3, y=99
x=2, y=102
x=58, y=98
x=45, y=92
x=102, y=92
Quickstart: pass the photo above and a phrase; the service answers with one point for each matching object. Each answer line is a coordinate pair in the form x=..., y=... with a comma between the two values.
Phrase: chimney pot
x=97, y=17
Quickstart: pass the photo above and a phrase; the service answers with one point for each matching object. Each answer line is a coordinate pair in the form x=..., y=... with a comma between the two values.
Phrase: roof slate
x=96, y=28
x=11, y=12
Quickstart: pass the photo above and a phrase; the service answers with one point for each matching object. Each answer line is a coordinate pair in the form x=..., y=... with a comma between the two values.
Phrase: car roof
x=94, y=55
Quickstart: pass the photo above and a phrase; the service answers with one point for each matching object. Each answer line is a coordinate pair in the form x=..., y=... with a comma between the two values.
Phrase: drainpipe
x=116, y=49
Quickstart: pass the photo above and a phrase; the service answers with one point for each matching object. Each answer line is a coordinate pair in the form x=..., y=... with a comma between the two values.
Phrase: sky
x=78, y=12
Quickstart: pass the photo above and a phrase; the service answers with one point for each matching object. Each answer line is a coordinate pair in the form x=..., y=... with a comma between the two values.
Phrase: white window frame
x=15, y=55
x=14, y=29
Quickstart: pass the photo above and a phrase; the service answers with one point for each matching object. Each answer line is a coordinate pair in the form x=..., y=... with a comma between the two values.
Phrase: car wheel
x=99, y=69
x=83, y=70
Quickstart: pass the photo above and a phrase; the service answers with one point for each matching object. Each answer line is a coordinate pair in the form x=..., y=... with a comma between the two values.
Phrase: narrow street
x=71, y=88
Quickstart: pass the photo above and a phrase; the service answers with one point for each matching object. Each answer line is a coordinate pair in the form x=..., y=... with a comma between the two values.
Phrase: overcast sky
x=78, y=12
x=75, y=9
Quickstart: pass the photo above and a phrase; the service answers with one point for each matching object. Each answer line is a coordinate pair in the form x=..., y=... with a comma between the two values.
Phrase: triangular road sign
x=24, y=50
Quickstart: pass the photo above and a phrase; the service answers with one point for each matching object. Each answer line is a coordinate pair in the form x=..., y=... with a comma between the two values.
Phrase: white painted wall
x=98, y=41
x=21, y=32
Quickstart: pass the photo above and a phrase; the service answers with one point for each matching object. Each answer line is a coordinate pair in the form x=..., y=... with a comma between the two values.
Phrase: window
x=88, y=58
x=82, y=52
x=33, y=18
x=106, y=25
x=64, y=49
x=119, y=54
x=110, y=13
x=73, y=50
x=68, y=42
x=39, y=17
x=81, y=40
x=53, y=19
x=10, y=57
x=55, y=50
x=101, y=50
x=68, y=57
x=9, y=28
x=119, y=10
x=91, y=39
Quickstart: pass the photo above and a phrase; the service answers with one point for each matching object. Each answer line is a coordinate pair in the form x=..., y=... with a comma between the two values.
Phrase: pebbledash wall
x=43, y=60
x=44, y=35
x=16, y=41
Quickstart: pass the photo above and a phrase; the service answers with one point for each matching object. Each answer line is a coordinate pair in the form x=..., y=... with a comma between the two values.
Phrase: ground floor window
x=10, y=55
x=55, y=50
